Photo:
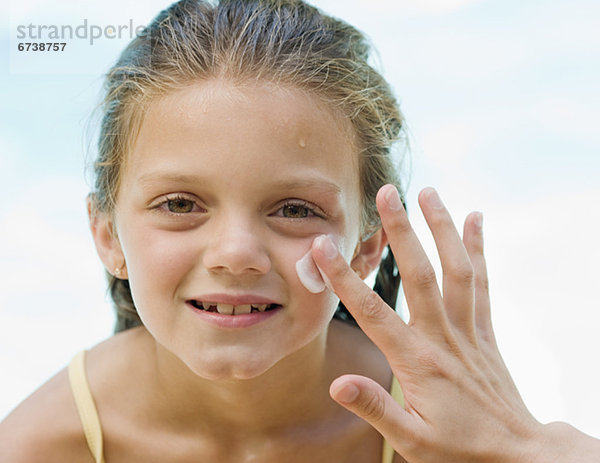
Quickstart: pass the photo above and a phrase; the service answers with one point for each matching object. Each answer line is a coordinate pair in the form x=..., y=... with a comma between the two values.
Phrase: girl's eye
x=180, y=205
x=297, y=210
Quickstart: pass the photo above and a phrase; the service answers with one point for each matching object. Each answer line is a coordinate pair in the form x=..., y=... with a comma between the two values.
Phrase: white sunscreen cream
x=310, y=275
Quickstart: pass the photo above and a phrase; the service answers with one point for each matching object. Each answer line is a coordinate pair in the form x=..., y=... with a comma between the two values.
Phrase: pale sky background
x=502, y=100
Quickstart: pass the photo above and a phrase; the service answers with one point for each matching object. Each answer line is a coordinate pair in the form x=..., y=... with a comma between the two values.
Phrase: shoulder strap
x=85, y=406
x=396, y=393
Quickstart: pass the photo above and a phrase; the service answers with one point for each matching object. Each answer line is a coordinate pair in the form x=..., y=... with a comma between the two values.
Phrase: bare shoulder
x=45, y=427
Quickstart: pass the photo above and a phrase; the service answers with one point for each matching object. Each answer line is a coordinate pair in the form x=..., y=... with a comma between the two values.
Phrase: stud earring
x=119, y=270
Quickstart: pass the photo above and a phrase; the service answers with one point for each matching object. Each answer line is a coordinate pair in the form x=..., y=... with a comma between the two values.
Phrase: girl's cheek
x=157, y=255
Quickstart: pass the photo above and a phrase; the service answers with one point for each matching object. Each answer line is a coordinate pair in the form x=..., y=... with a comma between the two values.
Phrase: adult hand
x=460, y=401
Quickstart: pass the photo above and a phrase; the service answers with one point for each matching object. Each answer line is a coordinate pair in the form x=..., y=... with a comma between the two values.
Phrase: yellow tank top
x=91, y=423
x=86, y=406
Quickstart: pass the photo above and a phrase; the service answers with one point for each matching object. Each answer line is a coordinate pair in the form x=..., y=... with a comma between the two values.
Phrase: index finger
x=377, y=319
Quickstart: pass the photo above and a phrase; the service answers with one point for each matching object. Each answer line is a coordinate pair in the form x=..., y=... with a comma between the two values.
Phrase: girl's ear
x=107, y=243
x=367, y=255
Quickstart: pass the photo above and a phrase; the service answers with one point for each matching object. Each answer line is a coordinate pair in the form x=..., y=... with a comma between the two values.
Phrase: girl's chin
x=227, y=369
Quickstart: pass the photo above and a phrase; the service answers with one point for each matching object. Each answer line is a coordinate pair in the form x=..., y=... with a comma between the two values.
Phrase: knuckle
x=482, y=282
x=373, y=408
x=424, y=276
x=342, y=270
x=463, y=274
x=477, y=246
x=439, y=219
x=399, y=224
x=485, y=340
x=371, y=306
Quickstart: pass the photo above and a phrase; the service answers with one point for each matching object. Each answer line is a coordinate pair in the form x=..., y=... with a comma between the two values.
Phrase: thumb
x=368, y=400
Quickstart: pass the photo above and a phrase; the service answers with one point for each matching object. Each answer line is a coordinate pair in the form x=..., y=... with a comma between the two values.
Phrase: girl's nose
x=236, y=248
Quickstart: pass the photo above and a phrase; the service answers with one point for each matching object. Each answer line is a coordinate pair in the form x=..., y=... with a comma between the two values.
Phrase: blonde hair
x=287, y=42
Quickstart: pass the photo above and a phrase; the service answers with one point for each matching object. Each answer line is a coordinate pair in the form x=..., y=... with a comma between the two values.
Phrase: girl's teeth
x=230, y=309
x=225, y=309
x=240, y=309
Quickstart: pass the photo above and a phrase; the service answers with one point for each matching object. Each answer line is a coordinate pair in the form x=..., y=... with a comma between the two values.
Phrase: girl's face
x=225, y=189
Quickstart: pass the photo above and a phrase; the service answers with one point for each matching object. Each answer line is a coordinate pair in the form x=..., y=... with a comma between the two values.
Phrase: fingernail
x=326, y=246
x=393, y=199
x=434, y=200
x=347, y=393
x=478, y=220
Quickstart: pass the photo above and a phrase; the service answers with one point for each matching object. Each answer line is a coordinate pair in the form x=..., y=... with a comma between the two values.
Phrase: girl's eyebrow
x=305, y=184
x=290, y=183
x=153, y=177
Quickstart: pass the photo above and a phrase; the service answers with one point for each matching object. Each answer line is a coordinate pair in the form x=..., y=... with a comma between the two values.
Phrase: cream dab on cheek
x=310, y=275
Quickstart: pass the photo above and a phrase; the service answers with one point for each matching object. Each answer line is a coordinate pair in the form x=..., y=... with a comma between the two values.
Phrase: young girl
x=244, y=183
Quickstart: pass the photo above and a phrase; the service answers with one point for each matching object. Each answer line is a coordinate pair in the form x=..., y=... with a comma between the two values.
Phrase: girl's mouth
x=230, y=309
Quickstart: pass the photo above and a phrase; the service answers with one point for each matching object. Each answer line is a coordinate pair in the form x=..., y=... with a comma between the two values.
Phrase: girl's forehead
x=221, y=116
x=284, y=105
x=232, y=129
